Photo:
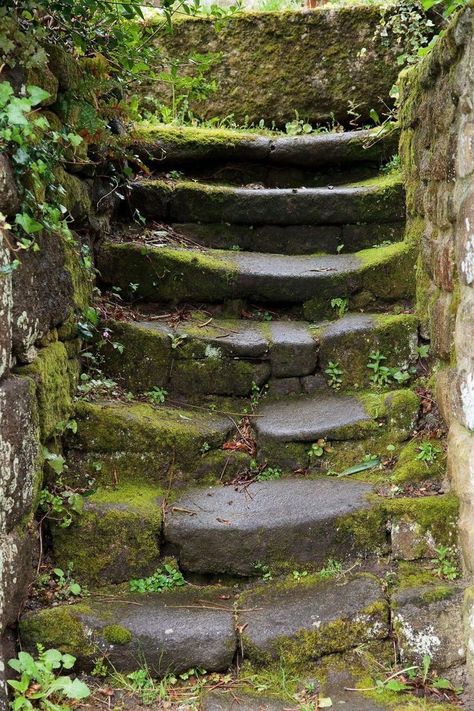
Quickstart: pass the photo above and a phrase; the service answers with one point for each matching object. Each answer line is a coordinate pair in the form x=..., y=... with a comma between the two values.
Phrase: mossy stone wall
x=437, y=152
x=273, y=64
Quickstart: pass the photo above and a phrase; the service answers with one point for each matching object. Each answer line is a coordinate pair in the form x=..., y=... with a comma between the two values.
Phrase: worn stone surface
x=326, y=71
x=20, y=470
x=170, y=632
x=5, y=308
x=310, y=619
x=427, y=620
x=9, y=200
x=307, y=419
x=47, y=288
x=224, y=529
x=461, y=475
x=194, y=202
x=225, y=701
x=410, y=541
x=291, y=239
x=15, y=573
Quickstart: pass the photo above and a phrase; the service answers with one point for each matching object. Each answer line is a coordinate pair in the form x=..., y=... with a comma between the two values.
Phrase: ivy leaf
x=36, y=95
x=28, y=223
x=74, y=139
x=16, y=110
x=6, y=90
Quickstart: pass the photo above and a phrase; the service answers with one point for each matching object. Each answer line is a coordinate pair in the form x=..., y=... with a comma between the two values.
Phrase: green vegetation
x=42, y=685
x=167, y=577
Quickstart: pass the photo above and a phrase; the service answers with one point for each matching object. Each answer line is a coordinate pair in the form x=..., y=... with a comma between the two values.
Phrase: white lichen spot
x=212, y=351
x=467, y=264
x=467, y=399
x=416, y=642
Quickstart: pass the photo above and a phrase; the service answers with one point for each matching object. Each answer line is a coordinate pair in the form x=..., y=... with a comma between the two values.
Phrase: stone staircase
x=269, y=272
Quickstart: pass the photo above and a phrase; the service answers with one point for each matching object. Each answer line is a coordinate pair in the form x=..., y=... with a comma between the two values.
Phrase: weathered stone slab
x=310, y=619
x=195, y=202
x=5, y=308
x=170, y=632
x=19, y=450
x=428, y=620
x=225, y=701
x=15, y=573
x=223, y=529
x=293, y=350
x=307, y=419
x=9, y=200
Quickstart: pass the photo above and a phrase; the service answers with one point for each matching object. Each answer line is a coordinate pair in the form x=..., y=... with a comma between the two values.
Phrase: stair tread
x=174, y=631
x=308, y=418
x=230, y=530
x=183, y=145
x=217, y=275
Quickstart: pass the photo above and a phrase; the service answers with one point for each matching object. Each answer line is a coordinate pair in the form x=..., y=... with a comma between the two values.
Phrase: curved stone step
x=175, y=631
x=227, y=530
x=212, y=276
x=181, y=146
x=331, y=416
x=291, y=239
x=222, y=356
x=378, y=200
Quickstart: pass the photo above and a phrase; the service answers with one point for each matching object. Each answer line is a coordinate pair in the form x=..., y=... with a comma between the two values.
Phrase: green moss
x=50, y=370
x=116, y=538
x=116, y=634
x=255, y=46
x=57, y=628
x=409, y=469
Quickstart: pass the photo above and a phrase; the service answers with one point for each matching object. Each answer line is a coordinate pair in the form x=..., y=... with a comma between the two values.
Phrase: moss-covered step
x=335, y=417
x=226, y=356
x=170, y=146
x=227, y=530
x=291, y=239
x=300, y=621
x=169, y=631
x=212, y=276
x=377, y=200
x=115, y=538
x=127, y=442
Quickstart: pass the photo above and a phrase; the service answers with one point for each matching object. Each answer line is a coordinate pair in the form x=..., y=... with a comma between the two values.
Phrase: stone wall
x=40, y=303
x=273, y=64
x=437, y=151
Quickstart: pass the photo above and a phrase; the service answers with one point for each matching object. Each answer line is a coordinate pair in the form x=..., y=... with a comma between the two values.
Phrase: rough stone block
x=15, y=574
x=19, y=450
x=9, y=200
x=410, y=542
x=5, y=308
x=427, y=620
x=461, y=475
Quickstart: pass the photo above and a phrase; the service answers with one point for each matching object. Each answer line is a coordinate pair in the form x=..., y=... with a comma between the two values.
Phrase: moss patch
x=116, y=634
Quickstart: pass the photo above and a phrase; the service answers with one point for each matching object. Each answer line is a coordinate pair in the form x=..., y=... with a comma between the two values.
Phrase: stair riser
x=211, y=365
x=268, y=206
x=301, y=239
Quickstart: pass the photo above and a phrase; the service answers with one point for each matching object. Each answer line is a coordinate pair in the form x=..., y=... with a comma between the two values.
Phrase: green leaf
x=68, y=660
x=76, y=689
x=396, y=685
x=362, y=467
x=75, y=589
x=6, y=90
x=28, y=223
x=16, y=110
x=36, y=95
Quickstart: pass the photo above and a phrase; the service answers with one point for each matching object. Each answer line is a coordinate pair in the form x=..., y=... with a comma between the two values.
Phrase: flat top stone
x=295, y=333
x=349, y=324
x=266, y=505
x=301, y=266
x=279, y=611
x=306, y=419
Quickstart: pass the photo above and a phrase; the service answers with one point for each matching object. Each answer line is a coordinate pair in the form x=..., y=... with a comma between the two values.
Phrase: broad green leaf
x=395, y=685
x=28, y=223
x=76, y=689
x=6, y=90
x=68, y=660
x=16, y=110
x=36, y=95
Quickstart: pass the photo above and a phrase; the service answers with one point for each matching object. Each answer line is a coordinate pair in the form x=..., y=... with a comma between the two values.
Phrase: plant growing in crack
x=340, y=306
x=335, y=374
x=428, y=452
x=156, y=395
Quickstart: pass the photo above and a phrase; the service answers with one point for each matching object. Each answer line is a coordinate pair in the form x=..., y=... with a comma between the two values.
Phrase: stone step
x=221, y=356
x=162, y=445
x=169, y=146
x=211, y=276
x=175, y=631
x=232, y=530
x=378, y=200
x=291, y=239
